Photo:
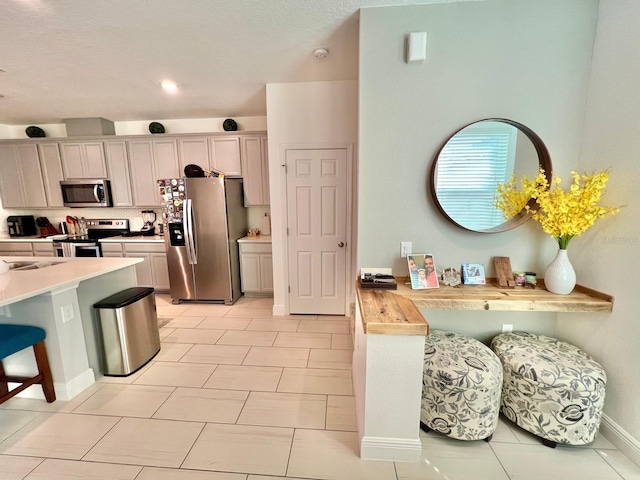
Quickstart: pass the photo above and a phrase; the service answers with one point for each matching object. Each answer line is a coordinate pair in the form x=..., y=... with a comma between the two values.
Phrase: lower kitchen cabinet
x=43, y=249
x=153, y=272
x=16, y=249
x=256, y=268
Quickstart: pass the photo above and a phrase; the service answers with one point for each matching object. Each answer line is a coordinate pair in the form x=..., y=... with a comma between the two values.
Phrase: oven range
x=88, y=245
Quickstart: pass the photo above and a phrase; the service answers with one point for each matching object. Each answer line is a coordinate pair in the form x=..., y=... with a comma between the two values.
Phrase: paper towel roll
x=266, y=225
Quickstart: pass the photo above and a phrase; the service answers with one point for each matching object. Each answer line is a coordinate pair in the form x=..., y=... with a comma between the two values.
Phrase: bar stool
x=14, y=338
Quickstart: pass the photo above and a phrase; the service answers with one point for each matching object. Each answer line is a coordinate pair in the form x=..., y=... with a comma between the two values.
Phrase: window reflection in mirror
x=473, y=161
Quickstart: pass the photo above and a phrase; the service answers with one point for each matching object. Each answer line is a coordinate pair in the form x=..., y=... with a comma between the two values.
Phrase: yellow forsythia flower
x=562, y=214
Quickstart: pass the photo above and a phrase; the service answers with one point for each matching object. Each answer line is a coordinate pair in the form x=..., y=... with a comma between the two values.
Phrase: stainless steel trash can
x=128, y=326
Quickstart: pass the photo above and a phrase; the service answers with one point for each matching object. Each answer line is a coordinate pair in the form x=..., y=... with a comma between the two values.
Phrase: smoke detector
x=321, y=52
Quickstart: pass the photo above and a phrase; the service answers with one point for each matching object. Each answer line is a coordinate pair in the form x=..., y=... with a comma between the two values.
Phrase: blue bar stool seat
x=14, y=338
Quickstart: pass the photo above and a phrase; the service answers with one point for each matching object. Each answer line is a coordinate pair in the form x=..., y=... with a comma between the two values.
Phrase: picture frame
x=473, y=274
x=422, y=271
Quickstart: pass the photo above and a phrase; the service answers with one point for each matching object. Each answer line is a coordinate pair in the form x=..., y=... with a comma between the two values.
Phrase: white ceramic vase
x=560, y=277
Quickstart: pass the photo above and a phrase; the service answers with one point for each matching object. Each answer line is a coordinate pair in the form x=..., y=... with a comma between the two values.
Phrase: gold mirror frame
x=544, y=162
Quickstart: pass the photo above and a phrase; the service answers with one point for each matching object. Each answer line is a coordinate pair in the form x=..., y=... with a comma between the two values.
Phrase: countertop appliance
x=86, y=193
x=21, y=225
x=204, y=217
x=148, y=217
x=88, y=245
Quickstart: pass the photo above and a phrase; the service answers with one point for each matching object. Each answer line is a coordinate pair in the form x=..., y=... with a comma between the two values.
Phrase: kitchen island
x=57, y=294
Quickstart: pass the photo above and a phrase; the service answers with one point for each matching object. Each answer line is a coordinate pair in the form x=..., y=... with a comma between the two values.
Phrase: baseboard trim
x=64, y=391
x=621, y=439
x=392, y=449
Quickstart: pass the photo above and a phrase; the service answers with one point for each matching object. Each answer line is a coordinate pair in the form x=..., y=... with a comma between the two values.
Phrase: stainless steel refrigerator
x=204, y=217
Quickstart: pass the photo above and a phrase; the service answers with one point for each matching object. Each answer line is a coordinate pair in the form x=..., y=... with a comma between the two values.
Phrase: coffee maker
x=149, y=218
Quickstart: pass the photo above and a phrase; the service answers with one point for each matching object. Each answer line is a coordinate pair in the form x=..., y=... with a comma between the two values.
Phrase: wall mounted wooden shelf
x=492, y=297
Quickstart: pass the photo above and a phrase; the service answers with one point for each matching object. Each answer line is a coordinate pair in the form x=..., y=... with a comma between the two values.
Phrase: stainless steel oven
x=89, y=245
x=66, y=248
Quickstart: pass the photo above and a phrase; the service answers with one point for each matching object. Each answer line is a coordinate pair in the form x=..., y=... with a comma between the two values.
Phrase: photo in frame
x=422, y=271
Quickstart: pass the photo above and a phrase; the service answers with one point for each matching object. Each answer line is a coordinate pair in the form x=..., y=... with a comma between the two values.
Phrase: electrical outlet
x=507, y=328
x=67, y=313
x=405, y=249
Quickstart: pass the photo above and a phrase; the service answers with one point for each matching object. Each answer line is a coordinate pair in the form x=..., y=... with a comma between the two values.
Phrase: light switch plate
x=405, y=249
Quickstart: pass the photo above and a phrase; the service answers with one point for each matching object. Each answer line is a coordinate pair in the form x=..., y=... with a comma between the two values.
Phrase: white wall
x=526, y=61
x=312, y=114
x=606, y=257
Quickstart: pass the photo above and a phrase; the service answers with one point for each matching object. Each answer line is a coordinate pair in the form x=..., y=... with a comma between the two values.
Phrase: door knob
x=341, y=244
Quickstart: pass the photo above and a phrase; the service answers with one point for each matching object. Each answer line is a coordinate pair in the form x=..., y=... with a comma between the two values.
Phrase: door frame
x=351, y=238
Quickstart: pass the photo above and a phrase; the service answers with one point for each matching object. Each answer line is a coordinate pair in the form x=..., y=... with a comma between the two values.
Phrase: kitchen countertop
x=16, y=285
x=258, y=239
x=138, y=239
x=119, y=239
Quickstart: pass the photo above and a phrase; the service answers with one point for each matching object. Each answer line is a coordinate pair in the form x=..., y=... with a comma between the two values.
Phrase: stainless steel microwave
x=86, y=193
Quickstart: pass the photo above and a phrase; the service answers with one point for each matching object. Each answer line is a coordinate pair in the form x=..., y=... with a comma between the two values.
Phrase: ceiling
x=95, y=58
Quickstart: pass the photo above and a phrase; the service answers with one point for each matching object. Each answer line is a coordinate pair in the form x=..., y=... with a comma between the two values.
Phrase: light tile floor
x=236, y=394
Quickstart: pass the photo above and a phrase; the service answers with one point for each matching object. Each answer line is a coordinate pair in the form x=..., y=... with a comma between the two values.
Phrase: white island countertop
x=16, y=285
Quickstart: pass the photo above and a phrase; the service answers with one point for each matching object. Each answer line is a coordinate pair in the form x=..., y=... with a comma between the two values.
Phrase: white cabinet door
x=52, y=173
x=254, y=171
x=150, y=160
x=83, y=160
x=266, y=273
x=193, y=150
x=143, y=269
x=256, y=268
x=250, y=272
x=225, y=155
x=21, y=184
x=159, y=270
x=153, y=272
x=118, y=169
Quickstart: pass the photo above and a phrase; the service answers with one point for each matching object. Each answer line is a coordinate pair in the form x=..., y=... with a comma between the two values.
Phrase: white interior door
x=316, y=226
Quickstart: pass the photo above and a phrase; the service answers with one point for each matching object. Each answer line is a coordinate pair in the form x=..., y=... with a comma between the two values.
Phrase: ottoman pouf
x=461, y=385
x=551, y=388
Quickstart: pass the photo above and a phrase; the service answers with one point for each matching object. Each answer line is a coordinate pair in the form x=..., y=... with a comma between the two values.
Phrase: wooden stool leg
x=43, y=368
x=4, y=386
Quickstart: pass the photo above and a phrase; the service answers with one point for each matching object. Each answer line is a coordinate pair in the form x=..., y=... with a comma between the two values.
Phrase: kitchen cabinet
x=83, y=160
x=16, y=249
x=21, y=183
x=153, y=272
x=111, y=249
x=52, y=174
x=150, y=160
x=256, y=268
x=118, y=170
x=255, y=171
x=224, y=155
x=193, y=150
x=42, y=249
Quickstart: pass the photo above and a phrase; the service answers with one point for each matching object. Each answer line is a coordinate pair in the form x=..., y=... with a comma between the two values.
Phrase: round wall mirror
x=474, y=160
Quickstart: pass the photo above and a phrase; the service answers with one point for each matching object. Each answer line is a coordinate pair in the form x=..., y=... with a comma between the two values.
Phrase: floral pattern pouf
x=461, y=385
x=551, y=388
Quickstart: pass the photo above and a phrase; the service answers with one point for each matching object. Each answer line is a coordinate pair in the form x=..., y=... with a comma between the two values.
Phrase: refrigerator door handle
x=188, y=224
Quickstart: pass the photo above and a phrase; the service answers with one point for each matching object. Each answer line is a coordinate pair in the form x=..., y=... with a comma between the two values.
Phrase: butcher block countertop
x=383, y=312
x=395, y=312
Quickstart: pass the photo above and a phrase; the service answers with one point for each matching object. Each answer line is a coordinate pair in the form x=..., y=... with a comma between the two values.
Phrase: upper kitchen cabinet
x=21, y=184
x=118, y=169
x=83, y=160
x=255, y=170
x=52, y=174
x=224, y=155
x=150, y=160
x=193, y=150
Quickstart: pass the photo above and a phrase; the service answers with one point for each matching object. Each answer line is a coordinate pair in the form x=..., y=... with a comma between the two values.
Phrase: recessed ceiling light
x=169, y=86
x=321, y=52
